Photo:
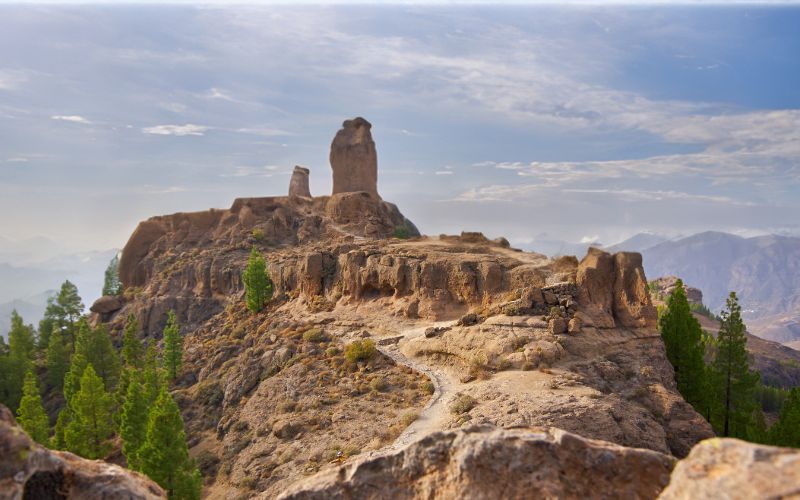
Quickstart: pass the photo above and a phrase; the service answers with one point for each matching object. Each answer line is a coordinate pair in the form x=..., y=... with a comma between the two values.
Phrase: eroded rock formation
x=614, y=290
x=730, y=468
x=298, y=184
x=354, y=159
x=484, y=462
x=30, y=471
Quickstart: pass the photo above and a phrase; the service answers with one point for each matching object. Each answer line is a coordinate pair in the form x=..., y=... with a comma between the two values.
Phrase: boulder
x=574, y=325
x=557, y=325
x=28, y=470
x=107, y=304
x=483, y=462
x=354, y=159
x=298, y=185
x=730, y=468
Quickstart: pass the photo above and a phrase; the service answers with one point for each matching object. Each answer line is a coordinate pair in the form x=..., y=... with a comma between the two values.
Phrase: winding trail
x=435, y=415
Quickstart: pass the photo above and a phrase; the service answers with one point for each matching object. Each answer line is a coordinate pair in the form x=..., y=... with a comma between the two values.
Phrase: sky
x=587, y=122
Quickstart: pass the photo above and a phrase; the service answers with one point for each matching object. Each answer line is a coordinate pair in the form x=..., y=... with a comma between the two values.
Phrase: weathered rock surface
x=298, y=184
x=107, y=304
x=30, y=471
x=488, y=463
x=733, y=469
x=666, y=284
x=614, y=290
x=354, y=159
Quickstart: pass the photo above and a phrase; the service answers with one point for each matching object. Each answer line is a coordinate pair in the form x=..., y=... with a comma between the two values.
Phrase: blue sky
x=582, y=122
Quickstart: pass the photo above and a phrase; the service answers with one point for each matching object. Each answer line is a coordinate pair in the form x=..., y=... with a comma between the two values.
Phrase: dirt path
x=435, y=415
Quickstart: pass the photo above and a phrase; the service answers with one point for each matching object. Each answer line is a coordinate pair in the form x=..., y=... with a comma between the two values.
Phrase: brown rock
x=595, y=280
x=574, y=325
x=30, y=471
x=557, y=325
x=354, y=159
x=107, y=304
x=632, y=305
x=730, y=468
x=484, y=462
x=298, y=185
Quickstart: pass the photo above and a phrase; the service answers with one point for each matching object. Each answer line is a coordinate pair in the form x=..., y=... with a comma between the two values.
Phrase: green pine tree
x=91, y=425
x=173, y=347
x=58, y=441
x=133, y=423
x=57, y=360
x=111, y=284
x=132, y=347
x=31, y=415
x=68, y=309
x=257, y=283
x=164, y=456
x=96, y=346
x=152, y=375
x=21, y=348
x=786, y=431
x=683, y=339
x=734, y=382
x=72, y=380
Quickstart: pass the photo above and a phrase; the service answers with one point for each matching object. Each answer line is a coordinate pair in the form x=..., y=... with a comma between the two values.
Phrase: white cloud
x=590, y=239
x=444, y=172
x=263, y=131
x=71, y=118
x=17, y=159
x=11, y=79
x=179, y=130
x=250, y=171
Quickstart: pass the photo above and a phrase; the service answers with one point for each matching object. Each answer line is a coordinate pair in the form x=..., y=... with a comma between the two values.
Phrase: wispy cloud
x=250, y=171
x=11, y=79
x=179, y=130
x=71, y=118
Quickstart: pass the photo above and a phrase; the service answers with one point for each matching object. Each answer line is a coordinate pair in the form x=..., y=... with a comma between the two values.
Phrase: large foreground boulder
x=730, y=468
x=31, y=472
x=488, y=463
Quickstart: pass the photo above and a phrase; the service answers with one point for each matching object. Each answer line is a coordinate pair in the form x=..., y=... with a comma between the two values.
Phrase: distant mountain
x=638, y=243
x=26, y=287
x=764, y=271
x=557, y=248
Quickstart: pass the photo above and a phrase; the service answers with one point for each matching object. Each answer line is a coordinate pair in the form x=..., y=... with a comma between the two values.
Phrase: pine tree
x=67, y=311
x=164, y=456
x=152, y=375
x=132, y=348
x=21, y=347
x=31, y=415
x=257, y=283
x=683, y=339
x=48, y=323
x=173, y=347
x=111, y=284
x=58, y=441
x=72, y=380
x=734, y=382
x=786, y=431
x=133, y=423
x=96, y=346
x=91, y=425
x=57, y=360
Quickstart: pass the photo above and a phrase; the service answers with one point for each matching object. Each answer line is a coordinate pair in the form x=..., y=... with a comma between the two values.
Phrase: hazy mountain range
x=31, y=270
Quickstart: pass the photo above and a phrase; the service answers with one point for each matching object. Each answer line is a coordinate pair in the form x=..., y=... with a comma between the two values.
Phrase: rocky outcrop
x=664, y=286
x=30, y=471
x=298, y=184
x=484, y=462
x=613, y=290
x=730, y=468
x=354, y=159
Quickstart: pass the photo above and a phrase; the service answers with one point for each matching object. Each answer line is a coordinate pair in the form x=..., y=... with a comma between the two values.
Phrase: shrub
x=210, y=393
x=313, y=335
x=462, y=404
x=331, y=351
x=408, y=417
x=379, y=384
x=258, y=234
x=359, y=350
x=428, y=387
